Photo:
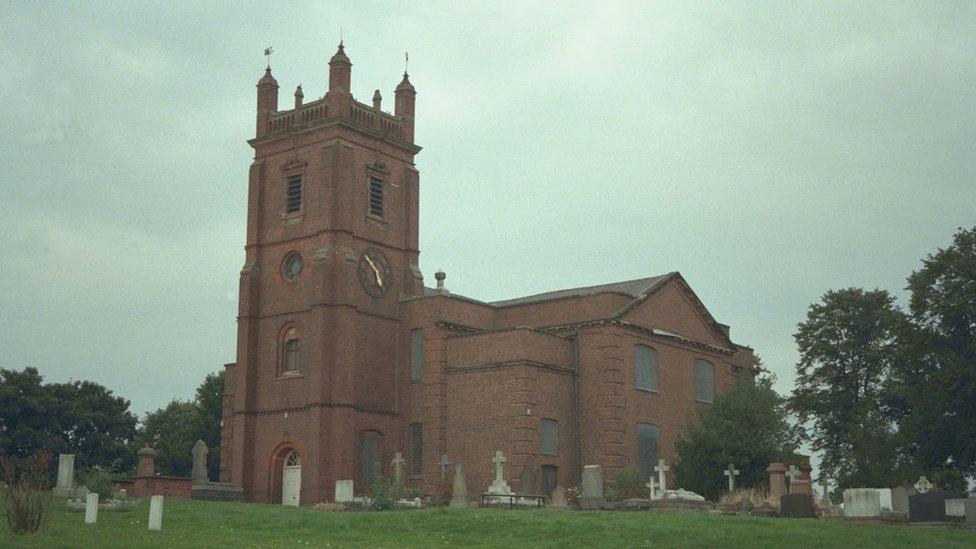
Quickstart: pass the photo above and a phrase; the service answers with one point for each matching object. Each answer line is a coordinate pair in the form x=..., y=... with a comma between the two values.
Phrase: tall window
x=290, y=351
x=548, y=432
x=376, y=197
x=550, y=479
x=369, y=456
x=416, y=449
x=645, y=368
x=416, y=354
x=293, y=196
x=647, y=456
x=704, y=381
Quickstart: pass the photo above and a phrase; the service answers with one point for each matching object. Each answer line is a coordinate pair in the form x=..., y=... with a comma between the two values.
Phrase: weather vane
x=406, y=61
x=267, y=52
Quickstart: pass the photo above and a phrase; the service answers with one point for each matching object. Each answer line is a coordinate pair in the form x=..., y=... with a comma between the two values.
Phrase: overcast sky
x=767, y=152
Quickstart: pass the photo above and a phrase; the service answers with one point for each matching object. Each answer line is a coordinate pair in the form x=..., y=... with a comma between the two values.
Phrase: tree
x=747, y=426
x=95, y=425
x=849, y=345
x=172, y=432
x=26, y=424
x=209, y=403
x=936, y=387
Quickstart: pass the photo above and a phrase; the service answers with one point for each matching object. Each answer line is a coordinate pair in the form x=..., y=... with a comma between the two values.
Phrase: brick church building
x=345, y=357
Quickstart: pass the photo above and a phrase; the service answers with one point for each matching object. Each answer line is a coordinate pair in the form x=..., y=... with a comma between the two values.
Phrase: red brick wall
x=144, y=487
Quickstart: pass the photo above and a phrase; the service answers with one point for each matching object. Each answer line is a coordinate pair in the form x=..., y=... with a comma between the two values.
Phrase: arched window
x=704, y=381
x=647, y=442
x=645, y=368
x=293, y=459
x=290, y=354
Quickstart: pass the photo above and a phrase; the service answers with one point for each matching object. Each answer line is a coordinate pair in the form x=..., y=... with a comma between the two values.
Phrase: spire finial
x=406, y=62
x=340, y=38
x=267, y=52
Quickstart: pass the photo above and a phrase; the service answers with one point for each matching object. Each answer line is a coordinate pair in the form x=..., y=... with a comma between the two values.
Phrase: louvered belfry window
x=293, y=198
x=376, y=197
x=416, y=449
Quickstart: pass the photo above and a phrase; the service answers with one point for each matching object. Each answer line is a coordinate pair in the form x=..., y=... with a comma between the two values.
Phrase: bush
x=629, y=483
x=25, y=495
x=573, y=496
x=385, y=491
x=446, y=491
x=98, y=481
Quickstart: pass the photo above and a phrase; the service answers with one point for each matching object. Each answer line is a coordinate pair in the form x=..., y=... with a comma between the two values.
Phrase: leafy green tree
x=849, y=345
x=95, y=425
x=26, y=421
x=172, y=431
x=747, y=426
x=935, y=389
x=209, y=404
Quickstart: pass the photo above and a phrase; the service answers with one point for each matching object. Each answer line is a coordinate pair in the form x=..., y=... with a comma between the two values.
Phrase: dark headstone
x=930, y=506
x=745, y=506
x=797, y=506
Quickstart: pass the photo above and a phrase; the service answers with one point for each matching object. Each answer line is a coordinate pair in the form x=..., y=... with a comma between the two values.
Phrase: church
x=345, y=357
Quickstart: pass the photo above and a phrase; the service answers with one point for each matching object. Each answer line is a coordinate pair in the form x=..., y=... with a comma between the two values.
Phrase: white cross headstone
x=923, y=485
x=444, y=463
x=398, y=463
x=156, y=513
x=731, y=472
x=792, y=473
x=91, y=508
x=499, y=486
x=662, y=479
x=652, y=486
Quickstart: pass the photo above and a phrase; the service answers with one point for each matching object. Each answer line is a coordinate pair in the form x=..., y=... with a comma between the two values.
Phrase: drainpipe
x=577, y=420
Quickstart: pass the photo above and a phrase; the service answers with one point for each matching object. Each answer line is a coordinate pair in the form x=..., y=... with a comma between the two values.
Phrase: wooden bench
x=540, y=499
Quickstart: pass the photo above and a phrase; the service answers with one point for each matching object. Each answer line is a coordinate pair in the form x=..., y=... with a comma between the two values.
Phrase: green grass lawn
x=212, y=524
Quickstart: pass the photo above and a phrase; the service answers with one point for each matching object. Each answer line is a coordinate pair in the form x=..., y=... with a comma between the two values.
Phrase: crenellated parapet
x=337, y=106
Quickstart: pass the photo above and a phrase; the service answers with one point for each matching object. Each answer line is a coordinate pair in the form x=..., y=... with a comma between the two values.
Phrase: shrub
x=98, y=481
x=446, y=491
x=25, y=495
x=629, y=483
x=573, y=496
x=385, y=491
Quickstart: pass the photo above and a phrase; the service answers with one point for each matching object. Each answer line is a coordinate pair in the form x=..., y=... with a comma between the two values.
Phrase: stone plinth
x=777, y=482
x=343, y=491
x=797, y=506
x=930, y=506
x=147, y=463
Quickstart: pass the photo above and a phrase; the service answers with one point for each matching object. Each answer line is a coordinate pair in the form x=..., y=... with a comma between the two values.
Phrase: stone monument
x=398, y=464
x=732, y=472
x=199, y=472
x=592, y=488
x=147, y=462
x=459, y=495
x=91, y=508
x=662, y=477
x=652, y=486
x=777, y=482
x=156, y=513
x=499, y=486
x=862, y=503
x=558, y=498
x=66, y=476
x=343, y=491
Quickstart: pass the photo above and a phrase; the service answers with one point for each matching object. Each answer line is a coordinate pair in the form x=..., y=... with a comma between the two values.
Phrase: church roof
x=633, y=288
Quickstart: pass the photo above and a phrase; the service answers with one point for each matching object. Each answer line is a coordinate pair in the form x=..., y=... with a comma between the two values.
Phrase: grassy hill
x=210, y=524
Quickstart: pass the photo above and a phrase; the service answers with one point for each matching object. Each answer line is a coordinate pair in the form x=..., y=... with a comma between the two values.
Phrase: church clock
x=375, y=273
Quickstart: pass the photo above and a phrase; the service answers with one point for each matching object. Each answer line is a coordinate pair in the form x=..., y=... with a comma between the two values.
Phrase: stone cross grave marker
x=731, y=472
x=923, y=485
x=652, y=486
x=199, y=474
x=156, y=513
x=444, y=463
x=398, y=463
x=91, y=508
x=499, y=486
x=662, y=478
x=793, y=472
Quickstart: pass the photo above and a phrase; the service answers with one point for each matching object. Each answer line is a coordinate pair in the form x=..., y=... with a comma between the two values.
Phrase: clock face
x=375, y=273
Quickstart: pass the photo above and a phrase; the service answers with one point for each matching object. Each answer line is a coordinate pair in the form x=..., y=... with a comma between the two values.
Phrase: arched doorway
x=291, y=479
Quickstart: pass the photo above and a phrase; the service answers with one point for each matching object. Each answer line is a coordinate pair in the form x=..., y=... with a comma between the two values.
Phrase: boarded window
x=416, y=354
x=293, y=198
x=376, y=197
x=369, y=457
x=416, y=449
x=647, y=438
x=292, y=348
x=704, y=381
x=645, y=368
x=550, y=479
x=548, y=430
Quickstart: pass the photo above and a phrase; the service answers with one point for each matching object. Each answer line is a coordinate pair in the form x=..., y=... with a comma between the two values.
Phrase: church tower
x=331, y=248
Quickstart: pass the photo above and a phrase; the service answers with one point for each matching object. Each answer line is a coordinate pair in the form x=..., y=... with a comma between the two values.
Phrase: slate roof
x=633, y=288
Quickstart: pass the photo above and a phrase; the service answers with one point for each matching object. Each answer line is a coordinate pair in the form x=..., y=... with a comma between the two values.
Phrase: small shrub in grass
x=25, y=494
x=98, y=481
x=629, y=483
x=573, y=496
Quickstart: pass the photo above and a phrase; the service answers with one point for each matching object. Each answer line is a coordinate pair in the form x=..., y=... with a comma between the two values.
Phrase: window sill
x=704, y=401
x=293, y=218
x=376, y=220
x=290, y=375
x=651, y=391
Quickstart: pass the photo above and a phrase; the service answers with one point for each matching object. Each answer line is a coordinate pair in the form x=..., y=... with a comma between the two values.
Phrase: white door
x=291, y=482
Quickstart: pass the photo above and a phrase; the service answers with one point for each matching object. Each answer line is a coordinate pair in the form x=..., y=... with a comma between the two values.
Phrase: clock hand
x=379, y=279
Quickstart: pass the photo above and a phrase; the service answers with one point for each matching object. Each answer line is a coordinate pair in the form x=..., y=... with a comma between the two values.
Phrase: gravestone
x=652, y=486
x=592, y=488
x=923, y=485
x=930, y=506
x=899, y=497
x=499, y=486
x=528, y=480
x=91, y=508
x=884, y=494
x=797, y=506
x=793, y=473
x=745, y=506
x=558, y=498
x=199, y=471
x=66, y=475
x=398, y=463
x=662, y=477
x=156, y=513
x=777, y=482
x=956, y=508
x=343, y=491
x=860, y=503
x=459, y=496
x=731, y=472
x=681, y=494
x=444, y=463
